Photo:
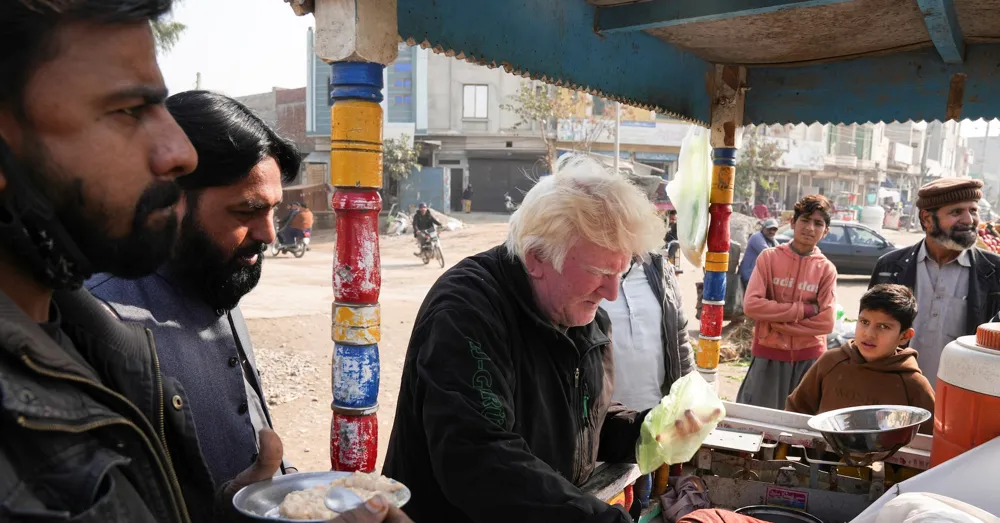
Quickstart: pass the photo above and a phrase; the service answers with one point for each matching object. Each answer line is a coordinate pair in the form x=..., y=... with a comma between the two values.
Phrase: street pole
x=618, y=126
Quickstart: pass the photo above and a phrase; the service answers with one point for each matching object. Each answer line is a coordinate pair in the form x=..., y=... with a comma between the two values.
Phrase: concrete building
x=860, y=164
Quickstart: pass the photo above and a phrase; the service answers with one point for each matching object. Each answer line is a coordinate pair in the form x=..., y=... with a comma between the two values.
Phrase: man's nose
x=172, y=153
x=609, y=288
x=262, y=230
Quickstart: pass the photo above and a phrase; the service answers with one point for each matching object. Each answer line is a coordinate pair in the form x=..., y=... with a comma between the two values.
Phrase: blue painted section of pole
x=714, y=287
x=724, y=156
x=356, y=81
x=355, y=376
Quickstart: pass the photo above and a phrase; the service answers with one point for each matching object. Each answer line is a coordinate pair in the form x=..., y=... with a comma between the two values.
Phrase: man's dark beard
x=958, y=238
x=135, y=255
x=215, y=275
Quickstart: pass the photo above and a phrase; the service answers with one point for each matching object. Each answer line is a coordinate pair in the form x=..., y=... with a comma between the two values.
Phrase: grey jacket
x=209, y=353
x=678, y=354
x=93, y=438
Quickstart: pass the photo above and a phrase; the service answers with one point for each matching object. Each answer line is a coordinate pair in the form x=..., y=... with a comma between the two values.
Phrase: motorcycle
x=297, y=249
x=430, y=247
x=508, y=203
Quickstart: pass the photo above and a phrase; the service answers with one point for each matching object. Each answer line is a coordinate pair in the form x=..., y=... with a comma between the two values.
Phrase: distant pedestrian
x=761, y=240
x=467, y=198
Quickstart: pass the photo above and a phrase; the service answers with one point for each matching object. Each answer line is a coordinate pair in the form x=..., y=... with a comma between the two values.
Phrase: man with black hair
x=190, y=303
x=91, y=429
x=88, y=161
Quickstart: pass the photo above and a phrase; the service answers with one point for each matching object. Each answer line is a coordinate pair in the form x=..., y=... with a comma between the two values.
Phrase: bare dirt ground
x=289, y=319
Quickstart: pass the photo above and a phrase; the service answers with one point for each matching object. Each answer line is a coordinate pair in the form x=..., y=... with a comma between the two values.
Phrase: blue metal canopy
x=831, y=61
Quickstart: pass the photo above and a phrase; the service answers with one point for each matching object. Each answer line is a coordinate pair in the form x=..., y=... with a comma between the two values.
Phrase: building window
x=403, y=67
x=475, y=102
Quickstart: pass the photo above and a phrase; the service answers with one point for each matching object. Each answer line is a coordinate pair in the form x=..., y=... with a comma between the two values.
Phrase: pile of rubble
x=286, y=376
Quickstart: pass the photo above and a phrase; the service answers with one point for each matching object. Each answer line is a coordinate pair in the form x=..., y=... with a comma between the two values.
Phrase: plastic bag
x=659, y=443
x=690, y=192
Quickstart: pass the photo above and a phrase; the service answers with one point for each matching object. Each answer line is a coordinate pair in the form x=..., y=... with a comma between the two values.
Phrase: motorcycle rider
x=423, y=223
x=295, y=226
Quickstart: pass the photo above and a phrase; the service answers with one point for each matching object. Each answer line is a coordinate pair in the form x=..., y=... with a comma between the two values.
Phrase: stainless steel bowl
x=260, y=501
x=864, y=435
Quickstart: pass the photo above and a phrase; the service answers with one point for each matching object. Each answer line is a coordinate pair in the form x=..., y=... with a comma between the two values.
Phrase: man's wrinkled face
x=770, y=233
x=224, y=234
x=953, y=226
x=95, y=137
x=589, y=275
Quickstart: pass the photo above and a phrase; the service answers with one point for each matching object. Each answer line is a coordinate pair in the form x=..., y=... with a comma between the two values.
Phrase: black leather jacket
x=424, y=222
x=95, y=438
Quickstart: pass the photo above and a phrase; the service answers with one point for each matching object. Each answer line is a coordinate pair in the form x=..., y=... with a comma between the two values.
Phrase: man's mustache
x=250, y=250
x=159, y=195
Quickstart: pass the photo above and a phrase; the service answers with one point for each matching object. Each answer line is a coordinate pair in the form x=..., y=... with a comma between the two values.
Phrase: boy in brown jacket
x=873, y=368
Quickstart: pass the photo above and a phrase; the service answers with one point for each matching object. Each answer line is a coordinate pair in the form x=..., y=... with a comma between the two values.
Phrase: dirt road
x=289, y=319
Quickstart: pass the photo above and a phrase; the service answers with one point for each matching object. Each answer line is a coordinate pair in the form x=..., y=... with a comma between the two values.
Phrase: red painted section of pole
x=357, y=268
x=354, y=442
x=718, y=230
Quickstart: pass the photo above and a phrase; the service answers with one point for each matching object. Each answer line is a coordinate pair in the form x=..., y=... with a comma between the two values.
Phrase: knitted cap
x=946, y=191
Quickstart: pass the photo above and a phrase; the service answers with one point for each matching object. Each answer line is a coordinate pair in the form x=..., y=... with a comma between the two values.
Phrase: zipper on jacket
x=159, y=388
x=166, y=470
x=576, y=378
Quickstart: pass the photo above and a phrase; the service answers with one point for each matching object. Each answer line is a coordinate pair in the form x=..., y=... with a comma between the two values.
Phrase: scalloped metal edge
x=517, y=70
x=869, y=122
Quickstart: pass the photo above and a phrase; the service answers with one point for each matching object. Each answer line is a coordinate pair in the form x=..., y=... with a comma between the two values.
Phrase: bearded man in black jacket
x=505, y=404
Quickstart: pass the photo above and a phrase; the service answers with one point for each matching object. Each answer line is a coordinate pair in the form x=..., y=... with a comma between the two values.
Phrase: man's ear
x=534, y=265
x=906, y=336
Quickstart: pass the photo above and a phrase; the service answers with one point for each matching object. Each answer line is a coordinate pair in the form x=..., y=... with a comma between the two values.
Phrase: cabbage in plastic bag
x=659, y=442
x=690, y=193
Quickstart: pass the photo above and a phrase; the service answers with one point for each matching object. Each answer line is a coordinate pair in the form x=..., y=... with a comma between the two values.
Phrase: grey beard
x=948, y=241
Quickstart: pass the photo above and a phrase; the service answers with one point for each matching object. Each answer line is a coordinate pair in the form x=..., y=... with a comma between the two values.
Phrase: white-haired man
x=505, y=403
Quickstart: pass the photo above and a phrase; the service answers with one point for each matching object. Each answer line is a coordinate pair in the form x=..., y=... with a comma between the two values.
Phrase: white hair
x=583, y=201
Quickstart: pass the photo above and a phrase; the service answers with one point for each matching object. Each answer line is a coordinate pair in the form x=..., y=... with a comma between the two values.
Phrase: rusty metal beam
x=941, y=20
x=665, y=13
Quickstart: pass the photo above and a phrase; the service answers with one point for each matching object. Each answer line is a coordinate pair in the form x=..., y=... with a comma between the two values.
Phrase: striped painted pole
x=716, y=261
x=728, y=89
x=356, y=174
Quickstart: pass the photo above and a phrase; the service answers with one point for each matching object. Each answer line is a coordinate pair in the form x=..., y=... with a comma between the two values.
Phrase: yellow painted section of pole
x=722, y=184
x=356, y=144
x=717, y=261
x=707, y=356
x=356, y=324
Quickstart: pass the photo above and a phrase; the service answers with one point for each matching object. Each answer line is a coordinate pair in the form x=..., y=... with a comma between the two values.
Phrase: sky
x=240, y=47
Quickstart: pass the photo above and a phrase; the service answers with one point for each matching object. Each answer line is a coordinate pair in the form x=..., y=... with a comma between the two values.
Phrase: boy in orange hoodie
x=791, y=296
x=873, y=368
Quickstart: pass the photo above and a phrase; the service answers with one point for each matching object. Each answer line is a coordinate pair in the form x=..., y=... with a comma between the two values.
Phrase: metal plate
x=724, y=439
x=260, y=500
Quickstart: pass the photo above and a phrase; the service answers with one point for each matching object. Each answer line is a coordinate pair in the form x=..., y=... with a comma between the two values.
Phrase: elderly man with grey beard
x=957, y=285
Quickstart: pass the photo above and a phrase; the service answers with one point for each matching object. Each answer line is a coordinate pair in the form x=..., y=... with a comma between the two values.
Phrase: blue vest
x=197, y=346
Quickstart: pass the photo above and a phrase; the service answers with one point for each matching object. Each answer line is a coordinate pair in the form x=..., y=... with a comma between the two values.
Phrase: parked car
x=853, y=248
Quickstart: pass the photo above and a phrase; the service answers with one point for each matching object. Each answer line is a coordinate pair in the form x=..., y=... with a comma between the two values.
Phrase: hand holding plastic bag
x=674, y=430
